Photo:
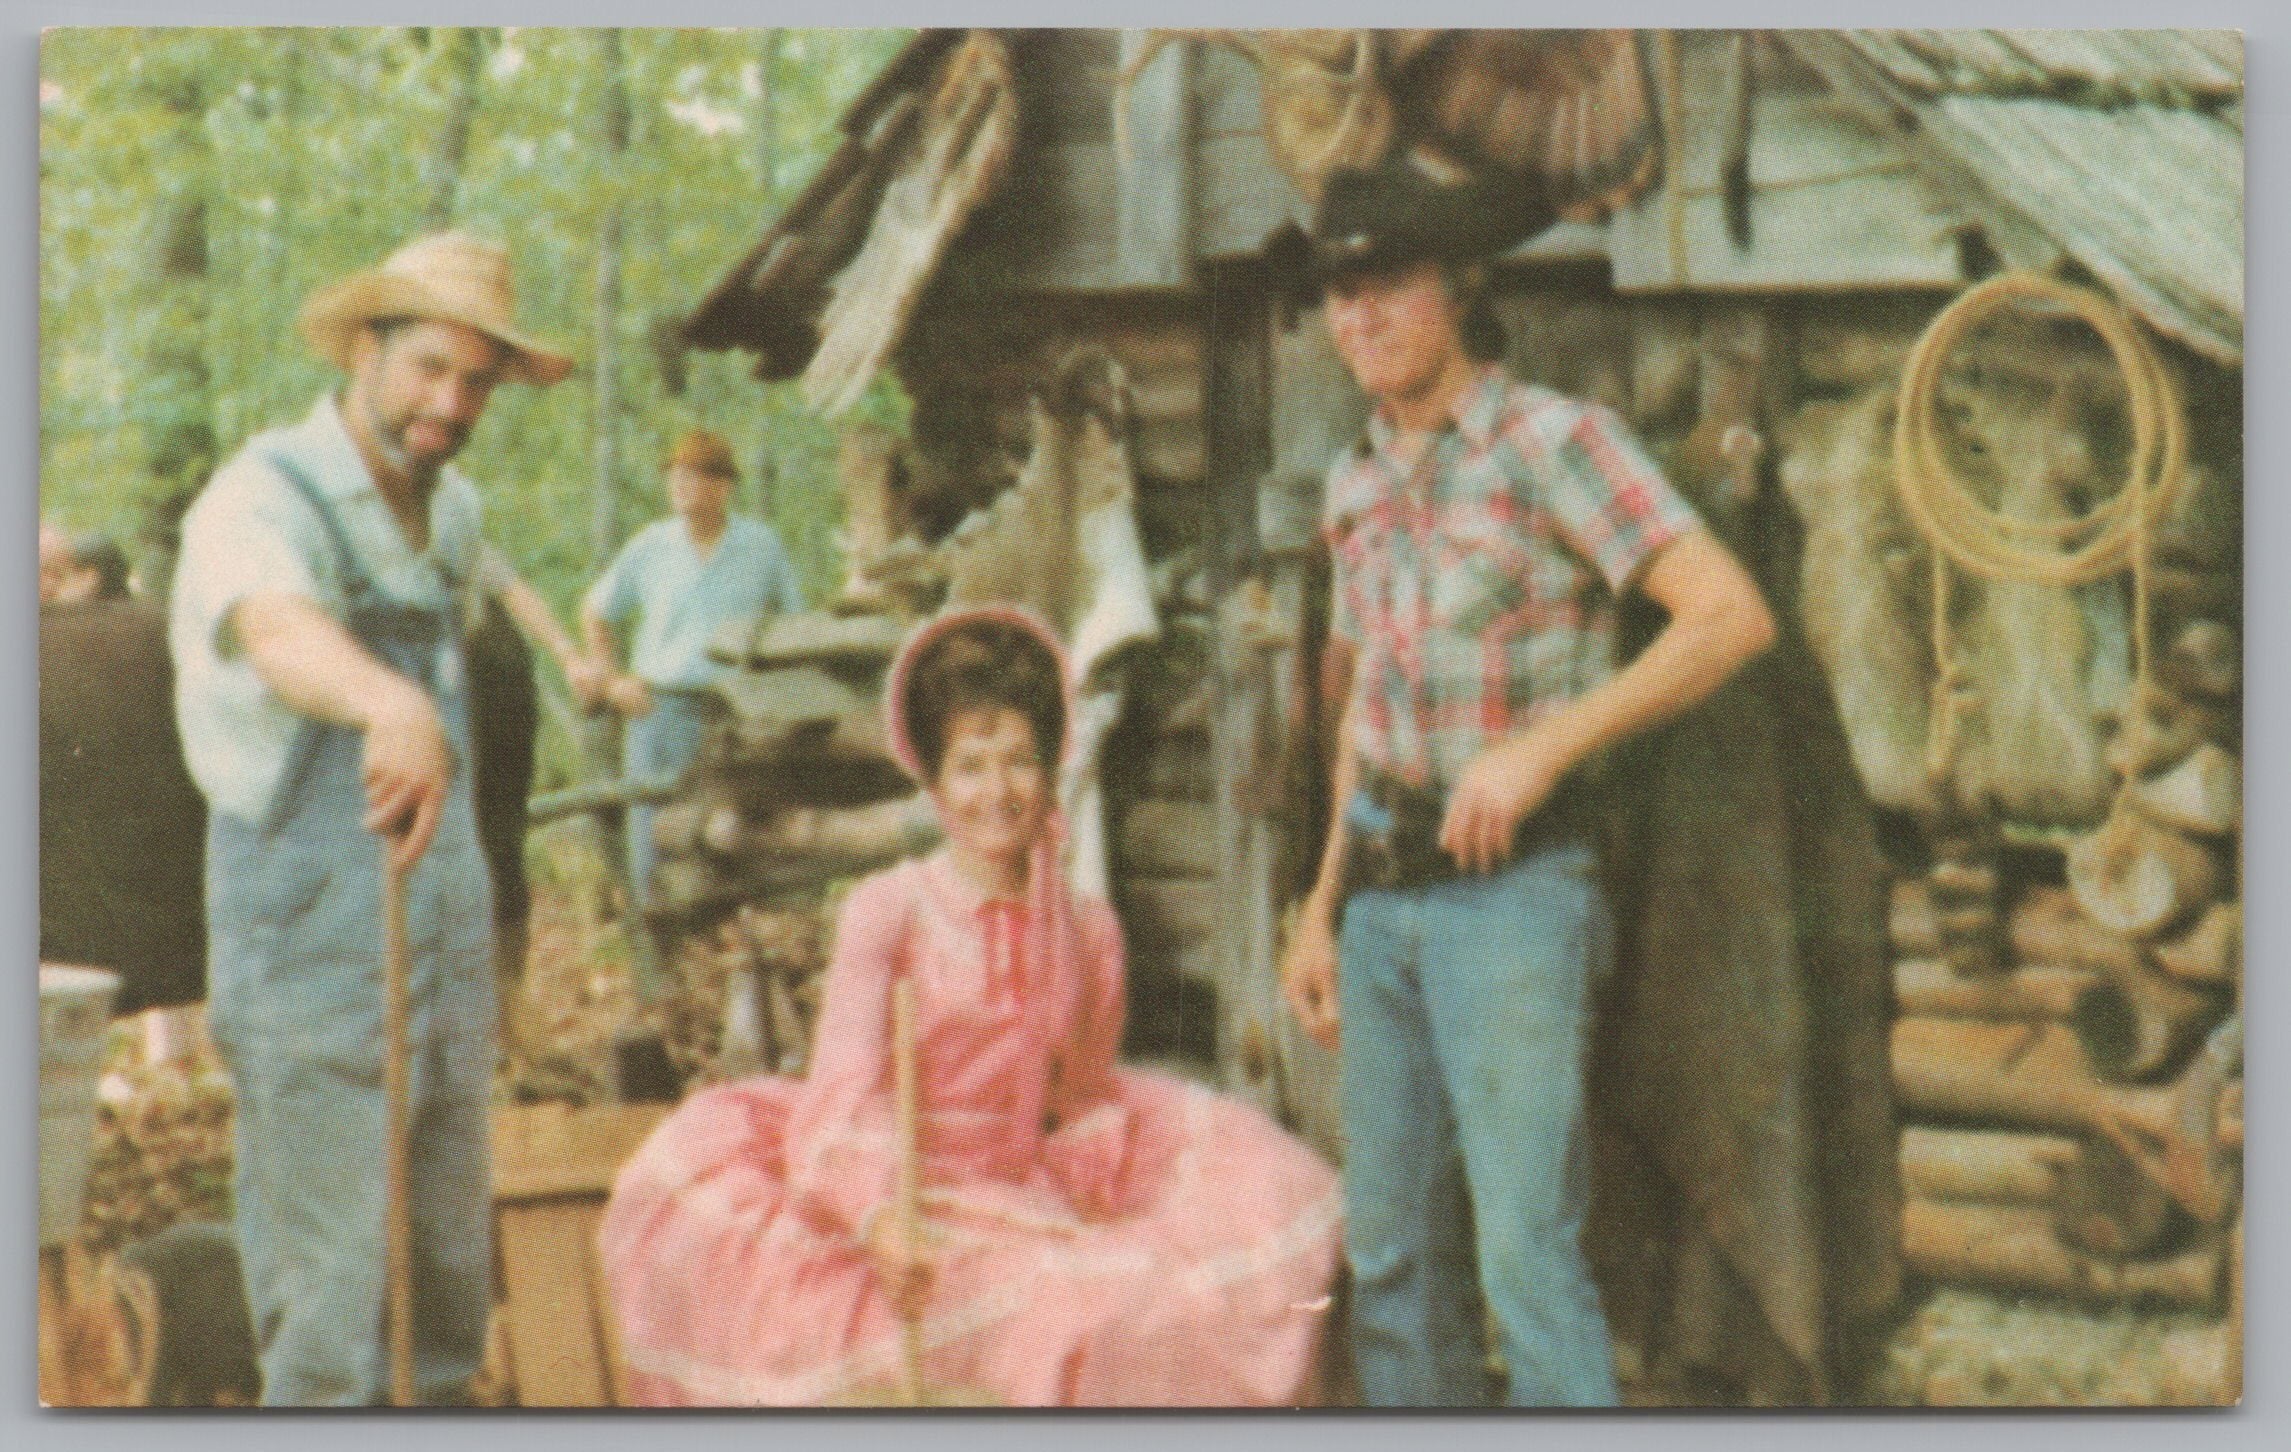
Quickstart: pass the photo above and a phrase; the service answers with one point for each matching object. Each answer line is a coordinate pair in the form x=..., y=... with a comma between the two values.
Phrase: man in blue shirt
x=674, y=584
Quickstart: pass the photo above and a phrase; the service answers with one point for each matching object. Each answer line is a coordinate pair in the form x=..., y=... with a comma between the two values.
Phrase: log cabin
x=1791, y=868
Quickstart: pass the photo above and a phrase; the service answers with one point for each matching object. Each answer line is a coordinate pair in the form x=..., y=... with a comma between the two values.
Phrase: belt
x=1393, y=831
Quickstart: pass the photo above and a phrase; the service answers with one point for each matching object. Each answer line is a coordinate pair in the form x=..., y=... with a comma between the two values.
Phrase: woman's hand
x=905, y=1270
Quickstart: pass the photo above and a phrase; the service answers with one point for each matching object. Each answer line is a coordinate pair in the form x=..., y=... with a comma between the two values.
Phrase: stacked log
x=2067, y=1055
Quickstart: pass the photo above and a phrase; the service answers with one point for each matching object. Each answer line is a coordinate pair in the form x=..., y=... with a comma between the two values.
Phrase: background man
x=316, y=624
x=1481, y=533
x=680, y=579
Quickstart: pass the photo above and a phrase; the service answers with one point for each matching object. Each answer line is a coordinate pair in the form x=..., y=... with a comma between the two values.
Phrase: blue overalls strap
x=372, y=617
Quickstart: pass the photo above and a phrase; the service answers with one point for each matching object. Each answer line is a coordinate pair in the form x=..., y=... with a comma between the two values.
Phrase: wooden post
x=397, y=1124
x=1154, y=201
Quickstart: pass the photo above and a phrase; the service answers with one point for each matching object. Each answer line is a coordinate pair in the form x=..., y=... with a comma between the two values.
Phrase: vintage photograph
x=1140, y=718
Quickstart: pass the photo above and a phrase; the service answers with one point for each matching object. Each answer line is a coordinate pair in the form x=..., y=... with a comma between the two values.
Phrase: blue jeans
x=1465, y=1012
x=294, y=922
x=657, y=745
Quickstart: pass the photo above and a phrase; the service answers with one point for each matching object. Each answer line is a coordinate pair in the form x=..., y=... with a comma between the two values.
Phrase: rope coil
x=2113, y=537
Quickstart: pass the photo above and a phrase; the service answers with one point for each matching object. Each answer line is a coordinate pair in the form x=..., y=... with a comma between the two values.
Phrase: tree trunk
x=767, y=193
x=613, y=128
x=179, y=432
x=464, y=61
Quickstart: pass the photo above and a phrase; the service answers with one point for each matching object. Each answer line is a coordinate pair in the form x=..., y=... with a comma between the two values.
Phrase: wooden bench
x=556, y=1343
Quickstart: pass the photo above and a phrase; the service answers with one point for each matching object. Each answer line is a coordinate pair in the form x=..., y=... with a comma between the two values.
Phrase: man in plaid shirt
x=1481, y=534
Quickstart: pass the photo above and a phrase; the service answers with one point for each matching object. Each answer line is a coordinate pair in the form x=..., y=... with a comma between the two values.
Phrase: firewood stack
x=2067, y=1056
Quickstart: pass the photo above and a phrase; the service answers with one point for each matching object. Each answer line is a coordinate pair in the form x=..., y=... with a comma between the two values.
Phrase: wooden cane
x=398, y=1227
x=908, y=1192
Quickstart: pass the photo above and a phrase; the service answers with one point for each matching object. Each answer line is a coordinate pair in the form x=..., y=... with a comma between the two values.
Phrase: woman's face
x=993, y=789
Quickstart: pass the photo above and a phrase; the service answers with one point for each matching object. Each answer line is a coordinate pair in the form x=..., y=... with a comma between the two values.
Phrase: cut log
x=1910, y=925
x=2035, y=1076
x=2045, y=926
x=2137, y=1023
x=2141, y=879
x=2017, y=1074
x=1964, y=882
x=2211, y=952
x=2160, y=729
x=2108, y=1206
x=2203, y=795
x=2040, y=992
x=2205, y=659
x=882, y=832
x=1984, y=1165
x=2014, y=1247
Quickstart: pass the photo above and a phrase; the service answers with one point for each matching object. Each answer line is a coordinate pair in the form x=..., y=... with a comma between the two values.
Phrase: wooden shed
x=1822, y=196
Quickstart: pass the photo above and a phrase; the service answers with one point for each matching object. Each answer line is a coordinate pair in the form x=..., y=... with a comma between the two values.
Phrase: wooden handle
x=908, y=1193
x=398, y=1228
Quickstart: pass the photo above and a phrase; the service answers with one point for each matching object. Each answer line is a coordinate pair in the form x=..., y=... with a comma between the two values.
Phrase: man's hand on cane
x=407, y=768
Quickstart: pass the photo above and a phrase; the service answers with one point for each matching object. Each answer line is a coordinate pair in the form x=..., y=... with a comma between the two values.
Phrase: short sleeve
x=249, y=535
x=613, y=596
x=1610, y=500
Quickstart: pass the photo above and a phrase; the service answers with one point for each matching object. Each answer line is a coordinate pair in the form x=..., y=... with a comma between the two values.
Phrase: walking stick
x=908, y=1192
x=398, y=1225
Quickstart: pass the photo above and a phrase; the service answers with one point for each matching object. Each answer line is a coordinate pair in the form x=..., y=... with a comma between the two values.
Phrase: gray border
x=2268, y=460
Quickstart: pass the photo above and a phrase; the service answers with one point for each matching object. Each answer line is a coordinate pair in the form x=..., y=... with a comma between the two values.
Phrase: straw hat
x=447, y=276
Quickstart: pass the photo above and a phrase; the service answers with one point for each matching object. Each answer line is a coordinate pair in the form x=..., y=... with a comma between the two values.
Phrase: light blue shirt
x=251, y=532
x=680, y=600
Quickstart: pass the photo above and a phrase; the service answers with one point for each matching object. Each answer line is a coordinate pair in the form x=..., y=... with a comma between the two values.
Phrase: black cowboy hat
x=1397, y=214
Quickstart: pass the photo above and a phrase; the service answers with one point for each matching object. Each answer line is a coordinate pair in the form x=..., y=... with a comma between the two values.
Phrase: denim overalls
x=295, y=954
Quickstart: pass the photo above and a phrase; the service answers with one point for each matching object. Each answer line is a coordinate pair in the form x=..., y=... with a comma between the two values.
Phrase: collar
x=1476, y=412
x=958, y=892
x=324, y=443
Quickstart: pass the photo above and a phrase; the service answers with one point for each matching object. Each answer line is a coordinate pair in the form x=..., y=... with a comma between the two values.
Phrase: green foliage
x=309, y=153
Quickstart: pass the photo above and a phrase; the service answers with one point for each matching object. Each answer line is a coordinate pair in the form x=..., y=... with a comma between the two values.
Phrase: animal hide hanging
x=2049, y=666
x=960, y=153
x=1063, y=542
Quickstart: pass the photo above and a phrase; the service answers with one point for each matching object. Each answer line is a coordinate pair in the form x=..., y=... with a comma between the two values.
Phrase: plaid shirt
x=1478, y=588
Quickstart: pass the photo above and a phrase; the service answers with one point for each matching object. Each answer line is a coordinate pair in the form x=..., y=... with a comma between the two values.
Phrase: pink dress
x=1104, y=1236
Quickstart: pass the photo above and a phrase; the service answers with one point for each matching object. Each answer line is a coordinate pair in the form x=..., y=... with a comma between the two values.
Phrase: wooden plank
x=1834, y=203
x=1239, y=196
x=545, y=1150
x=1154, y=206
x=547, y=1264
x=1228, y=100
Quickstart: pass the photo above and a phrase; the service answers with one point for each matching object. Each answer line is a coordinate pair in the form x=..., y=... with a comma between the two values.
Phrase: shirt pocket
x=1484, y=575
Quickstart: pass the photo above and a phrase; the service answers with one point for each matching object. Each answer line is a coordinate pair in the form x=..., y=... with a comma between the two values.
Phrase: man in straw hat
x=674, y=585
x=1480, y=532
x=318, y=607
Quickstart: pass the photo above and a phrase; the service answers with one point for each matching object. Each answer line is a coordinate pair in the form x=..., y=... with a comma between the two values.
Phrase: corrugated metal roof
x=2122, y=149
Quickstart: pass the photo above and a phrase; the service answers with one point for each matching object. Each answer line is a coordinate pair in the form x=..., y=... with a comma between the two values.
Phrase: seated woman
x=1094, y=1235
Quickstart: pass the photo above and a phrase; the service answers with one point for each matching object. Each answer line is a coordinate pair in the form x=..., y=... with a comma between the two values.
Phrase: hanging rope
x=1966, y=533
